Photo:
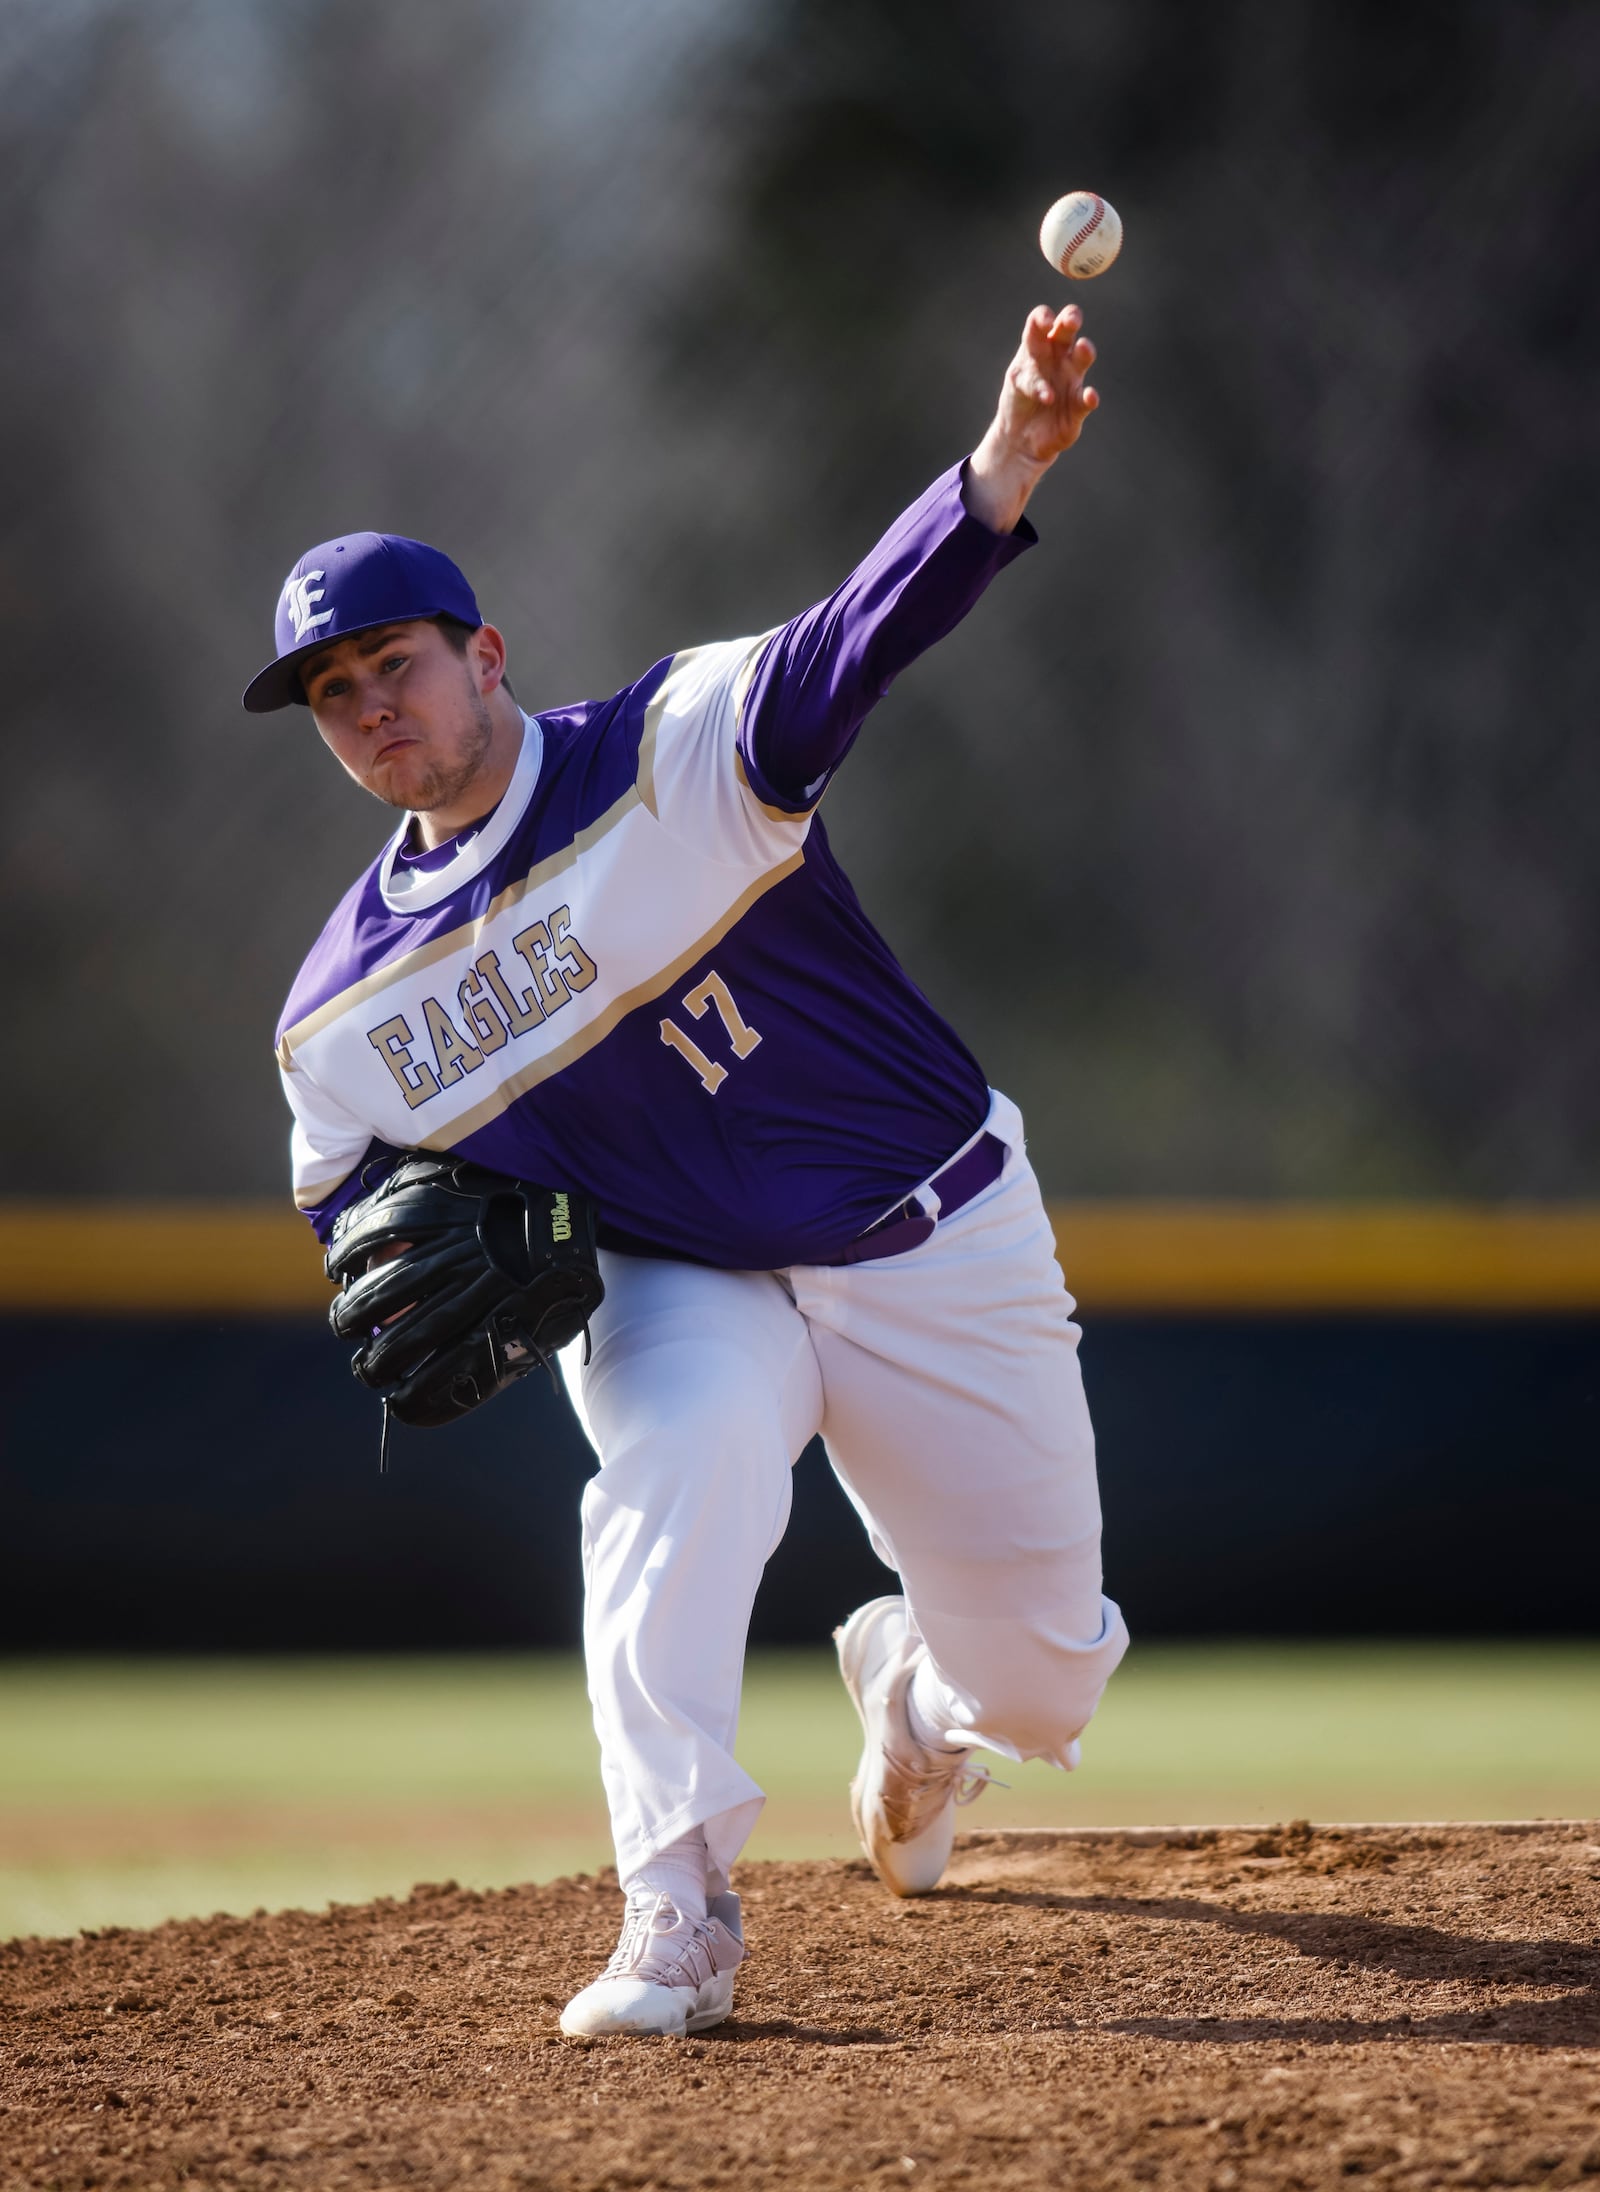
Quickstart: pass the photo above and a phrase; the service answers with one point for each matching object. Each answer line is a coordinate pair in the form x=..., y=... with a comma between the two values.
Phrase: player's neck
x=489, y=784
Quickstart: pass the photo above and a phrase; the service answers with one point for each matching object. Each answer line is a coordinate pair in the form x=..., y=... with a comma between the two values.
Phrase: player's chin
x=403, y=775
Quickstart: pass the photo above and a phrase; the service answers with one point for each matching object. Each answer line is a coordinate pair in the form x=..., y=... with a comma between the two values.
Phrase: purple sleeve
x=821, y=672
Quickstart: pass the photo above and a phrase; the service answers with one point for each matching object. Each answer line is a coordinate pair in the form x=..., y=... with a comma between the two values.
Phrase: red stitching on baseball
x=1088, y=228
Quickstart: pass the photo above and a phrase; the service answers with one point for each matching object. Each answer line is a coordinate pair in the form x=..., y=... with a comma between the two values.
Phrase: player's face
x=406, y=715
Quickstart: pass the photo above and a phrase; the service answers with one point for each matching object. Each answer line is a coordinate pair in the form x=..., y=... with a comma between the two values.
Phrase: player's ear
x=487, y=651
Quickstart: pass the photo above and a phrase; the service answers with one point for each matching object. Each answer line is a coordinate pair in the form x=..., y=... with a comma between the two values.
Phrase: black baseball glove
x=456, y=1281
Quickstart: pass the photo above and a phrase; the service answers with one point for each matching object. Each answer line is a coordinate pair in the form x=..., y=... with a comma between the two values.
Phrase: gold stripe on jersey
x=644, y=778
x=666, y=693
x=773, y=814
x=309, y=1193
x=556, y=1061
x=747, y=677
x=741, y=693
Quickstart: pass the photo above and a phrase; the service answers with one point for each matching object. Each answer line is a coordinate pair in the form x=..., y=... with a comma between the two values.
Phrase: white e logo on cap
x=298, y=595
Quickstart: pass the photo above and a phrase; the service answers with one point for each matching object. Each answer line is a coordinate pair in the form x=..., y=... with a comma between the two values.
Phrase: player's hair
x=458, y=634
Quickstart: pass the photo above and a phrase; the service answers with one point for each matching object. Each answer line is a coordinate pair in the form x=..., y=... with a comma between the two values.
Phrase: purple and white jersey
x=645, y=976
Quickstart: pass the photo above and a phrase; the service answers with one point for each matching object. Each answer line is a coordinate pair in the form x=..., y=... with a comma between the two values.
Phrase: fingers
x=1082, y=355
x=1044, y=330
x=1063, y=333
x=1043, y=327
x=1047, y=381
x=1054, y=357
x=1046, y=336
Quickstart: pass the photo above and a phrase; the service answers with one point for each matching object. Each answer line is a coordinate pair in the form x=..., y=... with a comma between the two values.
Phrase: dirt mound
x=1224, y=2010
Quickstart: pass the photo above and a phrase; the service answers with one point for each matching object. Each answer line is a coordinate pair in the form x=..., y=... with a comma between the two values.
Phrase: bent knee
x=1028, y=1690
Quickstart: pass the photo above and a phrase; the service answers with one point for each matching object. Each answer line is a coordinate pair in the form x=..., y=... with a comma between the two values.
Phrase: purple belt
x=908, y=1225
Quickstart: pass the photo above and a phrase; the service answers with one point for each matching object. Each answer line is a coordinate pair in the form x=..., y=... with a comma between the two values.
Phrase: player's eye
x=394, y=662
x=332, y=689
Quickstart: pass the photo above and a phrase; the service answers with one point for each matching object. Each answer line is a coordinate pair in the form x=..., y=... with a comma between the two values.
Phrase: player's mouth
x=392, y=747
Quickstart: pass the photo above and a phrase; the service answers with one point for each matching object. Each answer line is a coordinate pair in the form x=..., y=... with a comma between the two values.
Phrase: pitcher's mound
x=1225, y=2009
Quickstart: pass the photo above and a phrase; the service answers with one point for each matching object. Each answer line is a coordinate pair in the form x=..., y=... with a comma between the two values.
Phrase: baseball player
x=608, y=949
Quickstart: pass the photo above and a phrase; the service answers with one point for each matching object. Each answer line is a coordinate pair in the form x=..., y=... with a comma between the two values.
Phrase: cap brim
x=277, y=686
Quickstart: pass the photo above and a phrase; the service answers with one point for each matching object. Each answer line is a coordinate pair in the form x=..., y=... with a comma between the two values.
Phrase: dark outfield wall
x=187, y=1485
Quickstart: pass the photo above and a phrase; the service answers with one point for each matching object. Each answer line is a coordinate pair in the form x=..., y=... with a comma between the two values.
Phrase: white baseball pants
x=946, y=1386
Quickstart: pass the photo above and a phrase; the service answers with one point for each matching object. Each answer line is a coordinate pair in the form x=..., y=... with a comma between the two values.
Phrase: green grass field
x=136, y=1791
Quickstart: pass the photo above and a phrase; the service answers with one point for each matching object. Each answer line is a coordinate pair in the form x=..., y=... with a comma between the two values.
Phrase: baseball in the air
x=1081, y=234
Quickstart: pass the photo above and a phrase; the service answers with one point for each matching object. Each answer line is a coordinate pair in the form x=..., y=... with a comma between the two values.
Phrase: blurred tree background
x=1251, y=828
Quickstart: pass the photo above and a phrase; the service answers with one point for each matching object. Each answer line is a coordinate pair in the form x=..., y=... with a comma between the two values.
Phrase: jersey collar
x=407, y=889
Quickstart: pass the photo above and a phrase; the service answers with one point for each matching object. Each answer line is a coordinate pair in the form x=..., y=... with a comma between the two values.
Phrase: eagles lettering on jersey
x=644, y=975
x=490, y=1007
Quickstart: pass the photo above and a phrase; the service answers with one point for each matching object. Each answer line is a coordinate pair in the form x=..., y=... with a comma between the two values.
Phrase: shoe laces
x=973, y=1783
x=921, y=1786
x=659, y=1946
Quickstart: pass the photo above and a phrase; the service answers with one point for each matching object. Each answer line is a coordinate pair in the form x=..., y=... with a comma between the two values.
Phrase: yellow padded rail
x=158, y=1259
x=250, y=1259
x=1289, y=1257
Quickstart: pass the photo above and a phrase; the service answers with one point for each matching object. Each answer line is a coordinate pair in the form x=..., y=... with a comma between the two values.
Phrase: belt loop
x=913, y=1222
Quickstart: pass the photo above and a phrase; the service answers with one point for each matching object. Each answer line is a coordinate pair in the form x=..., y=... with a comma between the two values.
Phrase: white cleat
x=670, y=1974
x=904, y=1796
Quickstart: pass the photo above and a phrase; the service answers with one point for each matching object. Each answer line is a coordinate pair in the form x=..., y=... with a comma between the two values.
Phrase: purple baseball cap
x=352, y=585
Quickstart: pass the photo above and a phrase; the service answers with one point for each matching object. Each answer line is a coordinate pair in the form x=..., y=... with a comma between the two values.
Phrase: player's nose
x=375, y=712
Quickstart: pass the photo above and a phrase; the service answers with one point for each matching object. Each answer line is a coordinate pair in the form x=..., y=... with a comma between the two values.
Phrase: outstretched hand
x=1046, y=398
x=1044, y=401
